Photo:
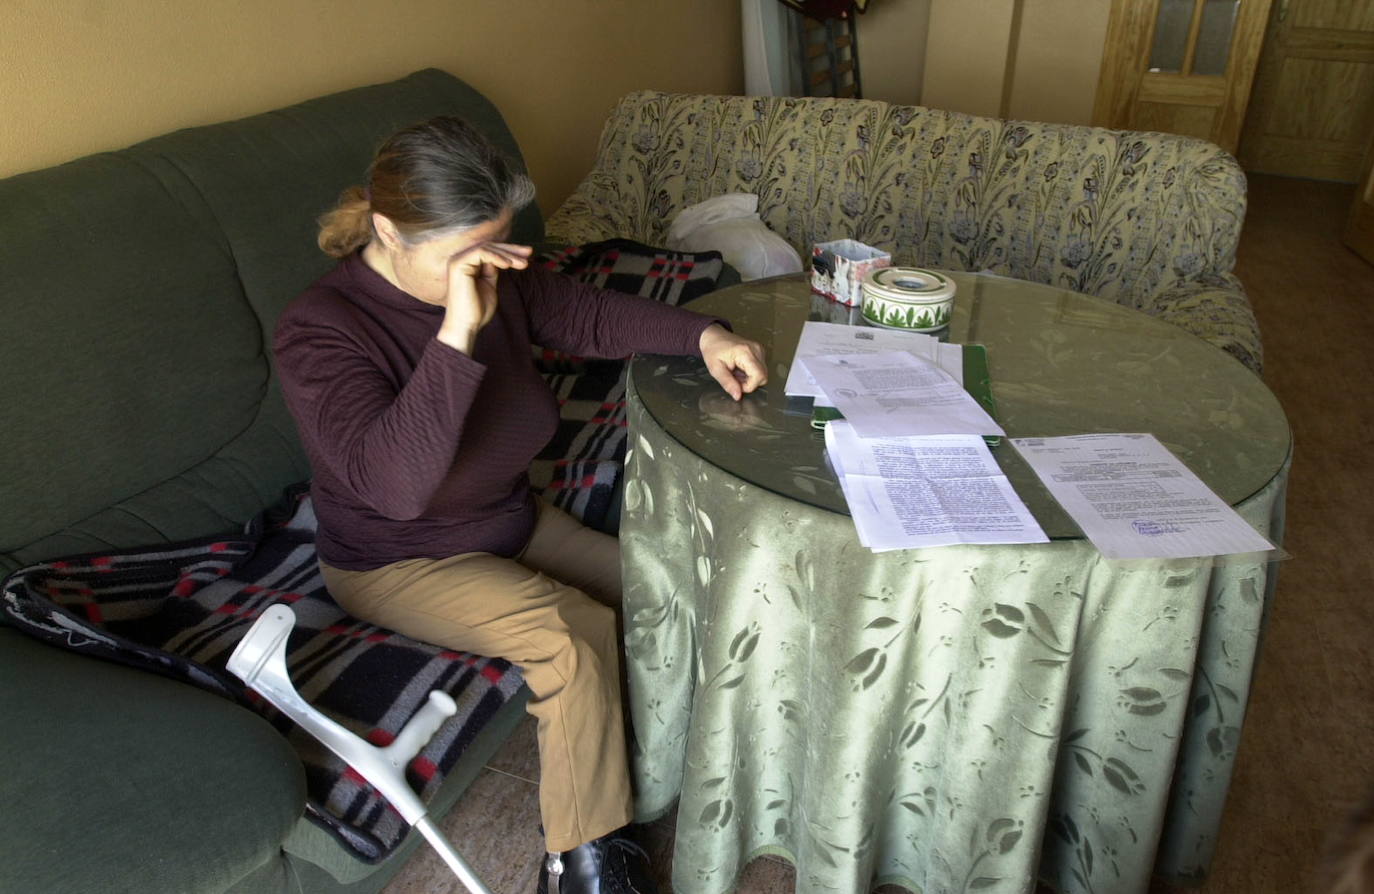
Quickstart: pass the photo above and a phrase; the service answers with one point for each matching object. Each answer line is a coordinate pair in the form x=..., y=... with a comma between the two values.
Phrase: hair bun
x=348, y=227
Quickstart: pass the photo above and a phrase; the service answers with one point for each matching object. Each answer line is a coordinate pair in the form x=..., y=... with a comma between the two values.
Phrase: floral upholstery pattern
x=1147, y=220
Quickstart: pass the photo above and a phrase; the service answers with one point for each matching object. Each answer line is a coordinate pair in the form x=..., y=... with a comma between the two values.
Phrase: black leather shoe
x=612, y=864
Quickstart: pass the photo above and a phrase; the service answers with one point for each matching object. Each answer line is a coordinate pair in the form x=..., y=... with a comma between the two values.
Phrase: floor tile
x=495, y=828
x=519, y=756
x=764, y=876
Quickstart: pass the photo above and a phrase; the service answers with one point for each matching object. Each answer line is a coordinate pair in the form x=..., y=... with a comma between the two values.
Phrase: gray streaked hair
x=429, y=179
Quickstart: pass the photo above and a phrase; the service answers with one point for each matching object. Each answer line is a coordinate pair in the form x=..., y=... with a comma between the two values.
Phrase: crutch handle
x=420, y=728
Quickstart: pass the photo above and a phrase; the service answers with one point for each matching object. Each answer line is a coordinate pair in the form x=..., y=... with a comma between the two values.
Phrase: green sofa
x=140, y=289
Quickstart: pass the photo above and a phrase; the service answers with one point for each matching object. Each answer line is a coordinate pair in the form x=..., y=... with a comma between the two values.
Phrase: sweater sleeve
x=391, y=448
x=582, y=319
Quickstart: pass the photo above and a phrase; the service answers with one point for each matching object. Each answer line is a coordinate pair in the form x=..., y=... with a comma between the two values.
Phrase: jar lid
x=907, y=284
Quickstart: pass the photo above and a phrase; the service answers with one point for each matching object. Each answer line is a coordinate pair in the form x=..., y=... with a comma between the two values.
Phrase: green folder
x=976, y=382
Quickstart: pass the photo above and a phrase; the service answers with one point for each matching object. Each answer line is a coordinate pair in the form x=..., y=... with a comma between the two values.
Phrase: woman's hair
x=430, y=178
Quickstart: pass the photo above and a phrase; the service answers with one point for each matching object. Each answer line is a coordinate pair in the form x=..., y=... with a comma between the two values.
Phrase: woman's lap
x=569, y=551
x=478, y=602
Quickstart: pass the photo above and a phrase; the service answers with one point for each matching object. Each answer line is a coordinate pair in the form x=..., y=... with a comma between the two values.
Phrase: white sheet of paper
x=835, y=338
x=894, y=394
x=1135, y=500
x=951, y=360
x=906, y=493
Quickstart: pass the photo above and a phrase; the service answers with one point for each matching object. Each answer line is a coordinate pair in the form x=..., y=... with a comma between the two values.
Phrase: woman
x=409, y=372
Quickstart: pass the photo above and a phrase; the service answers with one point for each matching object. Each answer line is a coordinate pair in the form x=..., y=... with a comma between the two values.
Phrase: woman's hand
x=736, y=363
x=471, y=300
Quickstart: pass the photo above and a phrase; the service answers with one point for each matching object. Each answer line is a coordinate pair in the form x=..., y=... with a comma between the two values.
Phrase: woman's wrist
x=712, y=331
x=459, y=337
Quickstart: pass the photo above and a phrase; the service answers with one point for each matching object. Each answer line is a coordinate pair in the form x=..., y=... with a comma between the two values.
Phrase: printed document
x=835, y=338
x=1135, y=500
x=905, y=493
x=894, y=394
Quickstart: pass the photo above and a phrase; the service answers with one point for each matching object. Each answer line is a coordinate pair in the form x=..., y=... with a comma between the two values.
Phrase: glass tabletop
x=1061, y=363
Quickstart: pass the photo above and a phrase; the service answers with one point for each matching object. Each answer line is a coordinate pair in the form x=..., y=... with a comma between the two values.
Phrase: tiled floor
x=496, y=829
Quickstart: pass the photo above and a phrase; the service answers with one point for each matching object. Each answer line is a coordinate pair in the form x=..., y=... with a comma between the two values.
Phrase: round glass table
x=964, y=718
x=1061, y=363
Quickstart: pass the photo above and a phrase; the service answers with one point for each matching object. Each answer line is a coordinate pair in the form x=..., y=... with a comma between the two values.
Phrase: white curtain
x=770, y=64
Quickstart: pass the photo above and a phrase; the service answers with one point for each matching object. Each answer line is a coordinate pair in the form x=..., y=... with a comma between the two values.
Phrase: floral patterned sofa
x=1147, y=220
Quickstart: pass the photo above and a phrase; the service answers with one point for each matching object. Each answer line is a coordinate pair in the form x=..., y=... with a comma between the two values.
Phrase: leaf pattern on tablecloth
x=937, y=718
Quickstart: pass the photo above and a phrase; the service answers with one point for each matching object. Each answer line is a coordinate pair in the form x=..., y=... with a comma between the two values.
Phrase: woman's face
x=421, y=269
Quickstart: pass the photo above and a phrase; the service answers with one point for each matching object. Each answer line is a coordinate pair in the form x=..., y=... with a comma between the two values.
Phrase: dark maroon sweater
x=419, y=450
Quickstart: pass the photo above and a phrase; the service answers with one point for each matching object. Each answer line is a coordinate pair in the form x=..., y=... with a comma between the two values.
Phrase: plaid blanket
x=580, y=470
x=180, y=610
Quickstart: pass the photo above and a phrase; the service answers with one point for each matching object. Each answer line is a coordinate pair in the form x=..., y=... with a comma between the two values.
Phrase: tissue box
x=838, y=269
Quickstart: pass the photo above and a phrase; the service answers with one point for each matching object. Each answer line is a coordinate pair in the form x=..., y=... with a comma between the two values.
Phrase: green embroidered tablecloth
x=954, y=719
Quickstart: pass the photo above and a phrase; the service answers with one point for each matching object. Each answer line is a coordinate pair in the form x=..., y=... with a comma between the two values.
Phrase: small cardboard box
x=838, y=269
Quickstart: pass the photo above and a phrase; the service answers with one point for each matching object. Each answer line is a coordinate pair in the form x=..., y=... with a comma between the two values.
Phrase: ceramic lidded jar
x=908, y=298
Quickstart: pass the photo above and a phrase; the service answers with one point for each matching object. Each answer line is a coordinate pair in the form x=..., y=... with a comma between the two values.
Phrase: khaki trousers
x=533, y=611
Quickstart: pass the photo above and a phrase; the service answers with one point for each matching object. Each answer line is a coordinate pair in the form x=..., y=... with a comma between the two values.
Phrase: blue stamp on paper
x=1153, y=528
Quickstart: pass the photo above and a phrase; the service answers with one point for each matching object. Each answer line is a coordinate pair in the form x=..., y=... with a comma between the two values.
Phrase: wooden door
x=1180, y=66
x=1312, y=112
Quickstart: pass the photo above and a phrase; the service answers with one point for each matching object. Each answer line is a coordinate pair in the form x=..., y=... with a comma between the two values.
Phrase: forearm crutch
x=259, y=661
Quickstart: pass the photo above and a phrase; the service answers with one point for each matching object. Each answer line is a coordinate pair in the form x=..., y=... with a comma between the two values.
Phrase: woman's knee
x=583, y=654
x=589, y=621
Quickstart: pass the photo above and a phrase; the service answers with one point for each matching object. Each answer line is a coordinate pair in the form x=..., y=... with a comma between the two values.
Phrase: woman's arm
x=390, y=448
x=582, y=319
x=579, y=318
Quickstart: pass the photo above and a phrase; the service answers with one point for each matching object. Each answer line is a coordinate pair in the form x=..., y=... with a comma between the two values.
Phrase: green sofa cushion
x=139, y=356
x=266, y=179
x=94, y=779
x=215, y=495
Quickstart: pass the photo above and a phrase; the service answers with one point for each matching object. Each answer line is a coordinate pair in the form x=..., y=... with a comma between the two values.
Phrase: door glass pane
x=1172, y=23
x=1214, y=37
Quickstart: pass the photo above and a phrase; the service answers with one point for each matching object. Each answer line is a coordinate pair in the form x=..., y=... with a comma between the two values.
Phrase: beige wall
x=82, y=76
x=1058, y=54
x=970, y=45
x=1030, y=59
x=892, y=50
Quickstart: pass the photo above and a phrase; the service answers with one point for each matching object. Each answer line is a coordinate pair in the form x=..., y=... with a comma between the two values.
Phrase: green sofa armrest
x=117, y=779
